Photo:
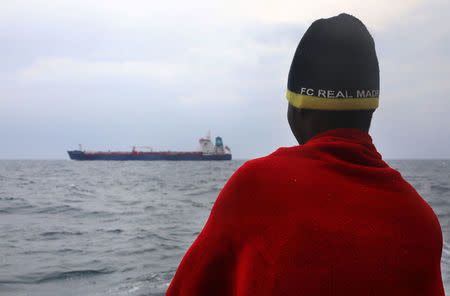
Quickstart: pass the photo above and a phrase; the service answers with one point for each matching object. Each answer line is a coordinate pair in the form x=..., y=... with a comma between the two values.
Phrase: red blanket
x=326, y=218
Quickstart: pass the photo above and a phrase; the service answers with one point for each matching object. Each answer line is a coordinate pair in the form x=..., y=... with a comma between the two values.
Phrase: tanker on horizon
x=208, y=151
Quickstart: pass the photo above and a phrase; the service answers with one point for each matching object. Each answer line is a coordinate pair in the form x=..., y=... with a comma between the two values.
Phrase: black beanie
x=335, y=67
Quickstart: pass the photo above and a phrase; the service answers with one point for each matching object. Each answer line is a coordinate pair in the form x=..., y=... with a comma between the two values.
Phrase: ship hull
x=81, y=155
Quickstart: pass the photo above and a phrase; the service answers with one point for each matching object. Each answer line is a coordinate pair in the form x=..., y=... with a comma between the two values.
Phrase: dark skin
x=306, y=123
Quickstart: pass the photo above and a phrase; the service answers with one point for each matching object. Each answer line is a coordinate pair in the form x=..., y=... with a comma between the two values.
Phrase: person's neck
x=318, y=130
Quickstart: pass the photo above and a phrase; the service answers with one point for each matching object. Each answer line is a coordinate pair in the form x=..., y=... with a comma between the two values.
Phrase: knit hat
x=335, y=67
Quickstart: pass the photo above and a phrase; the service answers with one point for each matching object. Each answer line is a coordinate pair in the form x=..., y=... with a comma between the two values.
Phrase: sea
x=121, y=228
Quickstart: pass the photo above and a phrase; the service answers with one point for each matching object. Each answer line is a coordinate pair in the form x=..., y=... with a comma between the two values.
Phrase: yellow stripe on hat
x=311, y=102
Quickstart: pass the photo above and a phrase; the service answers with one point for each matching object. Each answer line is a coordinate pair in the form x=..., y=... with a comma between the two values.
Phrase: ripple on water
x=57, y=209
x=440, y=188
x=137, y=251
x=44, y=277
x=61, y=233
x=21, y=208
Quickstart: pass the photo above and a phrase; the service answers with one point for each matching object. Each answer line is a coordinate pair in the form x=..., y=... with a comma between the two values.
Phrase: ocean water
x=121, y=228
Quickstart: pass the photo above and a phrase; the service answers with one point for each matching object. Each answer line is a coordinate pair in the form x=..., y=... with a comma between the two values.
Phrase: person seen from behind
x=327, y=217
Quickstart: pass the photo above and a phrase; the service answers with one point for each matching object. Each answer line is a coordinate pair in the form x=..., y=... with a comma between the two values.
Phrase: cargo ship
x=208, y=151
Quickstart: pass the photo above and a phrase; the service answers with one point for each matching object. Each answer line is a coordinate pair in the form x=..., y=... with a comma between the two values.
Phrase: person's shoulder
x=256, y=165
x=252, y=177
x=248, y=178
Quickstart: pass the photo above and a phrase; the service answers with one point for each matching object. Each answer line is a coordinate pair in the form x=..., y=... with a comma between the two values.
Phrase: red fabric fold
x=326, y=218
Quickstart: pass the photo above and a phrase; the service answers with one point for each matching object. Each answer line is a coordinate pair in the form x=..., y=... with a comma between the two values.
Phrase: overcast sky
x=112, y=74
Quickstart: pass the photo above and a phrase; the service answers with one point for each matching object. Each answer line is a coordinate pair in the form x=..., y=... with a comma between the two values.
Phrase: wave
x=57, y=209
x=211, y=190
x=55, y=276
x=137, y=252
x=12, y=198
x=115, y=231
x=440, y=188
x=39, y=278
x=58, y=233
x=100, y=214
x=15, y=209
x=64, y=251
x=153, y=236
